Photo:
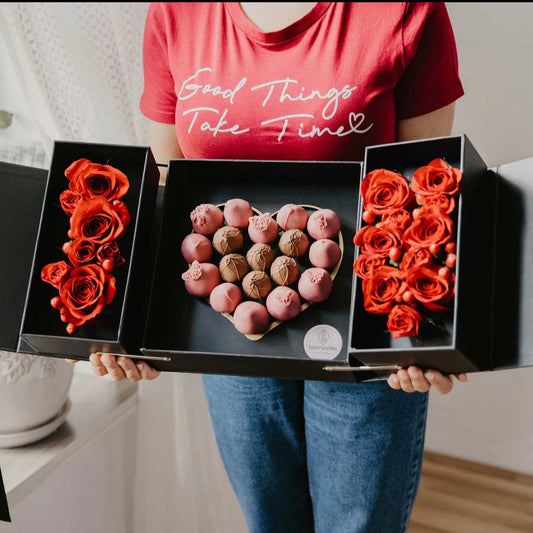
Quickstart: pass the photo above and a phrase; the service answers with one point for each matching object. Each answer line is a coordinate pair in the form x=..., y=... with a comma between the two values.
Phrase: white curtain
x=80, y=66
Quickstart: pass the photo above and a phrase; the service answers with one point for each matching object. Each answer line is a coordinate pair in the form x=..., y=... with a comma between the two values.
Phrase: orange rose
x=402, y=219
x=92, y=179
x=416, y=258
x=69, y=201
x=53, y=273
x=431, y=226
x=99, y=220
x=443, y=202
x=436, y=178
x=403, y=321
x=384, y=192
x=430, y=289
x=110, y=251
x=365, y=264
x=84, y=292
x=381, y=288
x=81, y=251
x=378, y=240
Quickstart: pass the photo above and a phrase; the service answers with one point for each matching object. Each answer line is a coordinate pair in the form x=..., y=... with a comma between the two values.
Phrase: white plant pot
x=33, y=393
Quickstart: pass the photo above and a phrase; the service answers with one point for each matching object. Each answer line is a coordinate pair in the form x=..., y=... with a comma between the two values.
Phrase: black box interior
x=42, y=328
x=455, y=343
x=185, y=328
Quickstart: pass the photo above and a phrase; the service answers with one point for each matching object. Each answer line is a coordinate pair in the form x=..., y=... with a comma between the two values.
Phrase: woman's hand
x=415, y=380
x=120, y=367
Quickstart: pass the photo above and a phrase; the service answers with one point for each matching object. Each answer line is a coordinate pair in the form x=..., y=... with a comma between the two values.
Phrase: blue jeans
x=312, y=456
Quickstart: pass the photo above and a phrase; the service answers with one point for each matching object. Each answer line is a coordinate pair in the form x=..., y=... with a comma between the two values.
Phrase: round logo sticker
x=323, y=342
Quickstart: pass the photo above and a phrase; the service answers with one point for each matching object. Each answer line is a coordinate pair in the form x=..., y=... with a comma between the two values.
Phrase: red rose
x=430, y=289
x=85, y=292
x=365, y=264
x=401, y=219
x=431, y=226
x=81, y=252
x=384, y=192
x=110, y=250
x=441, y=201
x=403, y=321
x=381, y=288
x=436, y=178
x=69, y=201
x=98, y=220
x=53, y=273
x=416, y=258
x=378, y=240
x=90, y=179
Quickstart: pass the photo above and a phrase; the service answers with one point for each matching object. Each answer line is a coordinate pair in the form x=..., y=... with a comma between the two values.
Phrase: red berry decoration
x=408, y=297
x=444, y=272
x=369, y=217
x=71, y=328
x=434, y=249
x=66, y=247
x=451, y=259
x=56, y=302
x=108, y=265
x=395, y=253
x=450, y=248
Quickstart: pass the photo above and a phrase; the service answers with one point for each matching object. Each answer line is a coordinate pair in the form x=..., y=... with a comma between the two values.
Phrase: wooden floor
x=457, y=496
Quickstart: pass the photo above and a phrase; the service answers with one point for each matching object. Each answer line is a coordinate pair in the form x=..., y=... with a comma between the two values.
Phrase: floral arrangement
x=98, y=219
x=407, y=246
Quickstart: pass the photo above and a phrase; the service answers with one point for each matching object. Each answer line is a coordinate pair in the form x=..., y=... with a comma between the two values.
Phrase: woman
x=307, y=81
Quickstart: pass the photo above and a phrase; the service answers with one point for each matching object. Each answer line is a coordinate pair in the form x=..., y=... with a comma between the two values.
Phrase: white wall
x=495, y=48
x=490, y=419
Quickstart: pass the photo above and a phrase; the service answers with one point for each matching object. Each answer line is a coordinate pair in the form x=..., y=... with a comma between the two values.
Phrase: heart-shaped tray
x=303, y=263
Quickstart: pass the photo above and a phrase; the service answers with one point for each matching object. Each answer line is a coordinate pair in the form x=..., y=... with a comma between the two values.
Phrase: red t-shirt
x=323, y=88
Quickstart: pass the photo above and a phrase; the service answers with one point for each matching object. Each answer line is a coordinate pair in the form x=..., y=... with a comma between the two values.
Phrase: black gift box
x=195, y=338
x=123, y=321
x=157, y=319
x=463, y=342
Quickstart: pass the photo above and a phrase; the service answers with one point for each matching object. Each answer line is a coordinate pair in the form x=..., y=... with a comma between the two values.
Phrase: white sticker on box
x=323, y=342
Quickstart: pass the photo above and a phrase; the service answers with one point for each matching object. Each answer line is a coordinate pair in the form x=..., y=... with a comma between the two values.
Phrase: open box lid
x=512, y=326
x=21, y=195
